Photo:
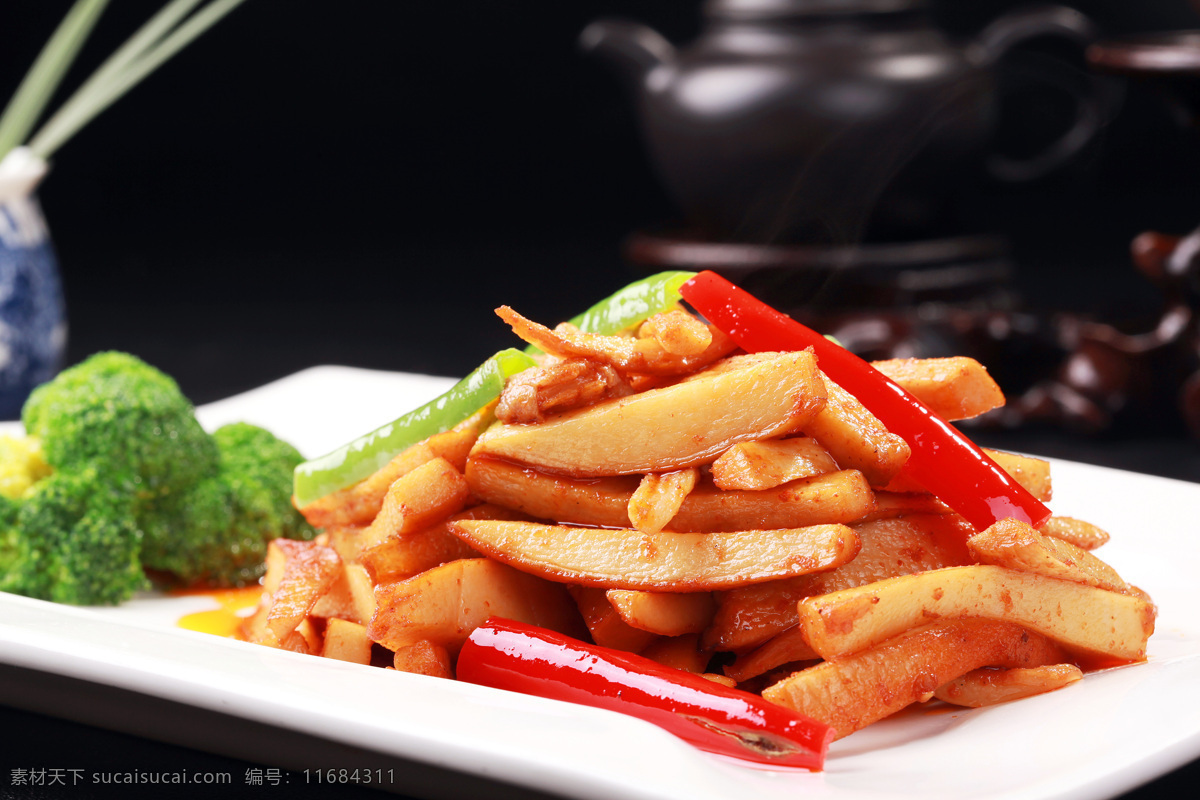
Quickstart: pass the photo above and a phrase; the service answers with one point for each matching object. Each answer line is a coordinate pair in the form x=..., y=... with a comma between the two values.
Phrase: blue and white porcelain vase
x=33, y=320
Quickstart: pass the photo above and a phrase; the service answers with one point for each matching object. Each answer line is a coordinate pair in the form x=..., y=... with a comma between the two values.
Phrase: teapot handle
x=1093, y=108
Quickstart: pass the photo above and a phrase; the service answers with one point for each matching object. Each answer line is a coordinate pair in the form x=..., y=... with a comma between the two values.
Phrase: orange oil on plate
x=234, y=605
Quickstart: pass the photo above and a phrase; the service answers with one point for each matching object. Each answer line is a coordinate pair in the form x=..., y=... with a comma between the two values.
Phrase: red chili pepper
x=943, y=460
x=523, y=658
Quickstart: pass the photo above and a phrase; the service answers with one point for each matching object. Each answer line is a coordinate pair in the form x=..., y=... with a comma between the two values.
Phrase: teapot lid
x=781, y=9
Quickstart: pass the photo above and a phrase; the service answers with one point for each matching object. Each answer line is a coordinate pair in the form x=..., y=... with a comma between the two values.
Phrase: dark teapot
x=827, y=121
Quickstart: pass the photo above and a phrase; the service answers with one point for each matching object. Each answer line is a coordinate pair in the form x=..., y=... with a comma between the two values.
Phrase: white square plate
x=1111, y=732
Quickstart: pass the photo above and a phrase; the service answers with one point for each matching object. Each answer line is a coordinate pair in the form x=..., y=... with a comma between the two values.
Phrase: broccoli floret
x=126, y=418
x=185, y=533
x=259, y=468
x=217, y=532
x=127, y=481
x=75, y=541
x=10, y=545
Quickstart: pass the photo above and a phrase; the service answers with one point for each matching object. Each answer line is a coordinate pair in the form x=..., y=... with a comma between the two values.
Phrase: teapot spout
x=631, y=48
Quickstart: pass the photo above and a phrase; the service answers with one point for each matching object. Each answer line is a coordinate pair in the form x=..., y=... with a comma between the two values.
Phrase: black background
x=363, y=181
x=360, y=182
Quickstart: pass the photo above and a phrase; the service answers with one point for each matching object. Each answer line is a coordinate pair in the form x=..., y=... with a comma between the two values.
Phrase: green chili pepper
x=630, y=306
x=362, y=457
x=635, y=303
x=355, y=461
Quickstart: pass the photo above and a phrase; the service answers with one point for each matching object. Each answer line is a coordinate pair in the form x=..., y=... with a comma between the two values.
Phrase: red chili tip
x=523, y=658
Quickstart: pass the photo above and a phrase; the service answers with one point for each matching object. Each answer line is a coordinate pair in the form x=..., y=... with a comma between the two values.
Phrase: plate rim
x=1160, y=762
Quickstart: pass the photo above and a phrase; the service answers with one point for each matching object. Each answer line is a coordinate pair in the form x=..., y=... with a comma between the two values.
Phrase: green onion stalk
x=24, y=147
